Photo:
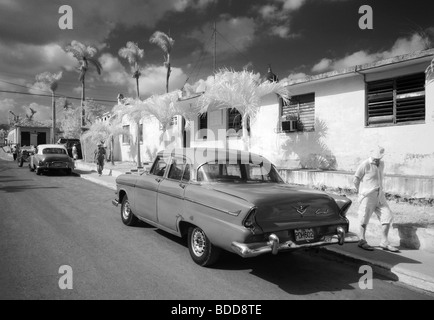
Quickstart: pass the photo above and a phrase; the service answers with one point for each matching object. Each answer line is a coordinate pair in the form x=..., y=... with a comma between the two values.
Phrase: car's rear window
x=53, y=151
x=237, y=173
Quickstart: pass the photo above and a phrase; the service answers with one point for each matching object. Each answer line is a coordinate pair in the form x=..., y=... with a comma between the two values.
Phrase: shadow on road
x=14, y=189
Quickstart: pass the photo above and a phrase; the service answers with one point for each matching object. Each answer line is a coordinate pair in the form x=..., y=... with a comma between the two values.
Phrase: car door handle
x=158, y=180
x=182, y=185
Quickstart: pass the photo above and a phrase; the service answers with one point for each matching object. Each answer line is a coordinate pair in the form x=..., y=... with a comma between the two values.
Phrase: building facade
x=332, y=121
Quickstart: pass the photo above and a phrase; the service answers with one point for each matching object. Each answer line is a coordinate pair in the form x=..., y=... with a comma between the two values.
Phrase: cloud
x=277, y=15
x=6, y=105
x=34, y=59
x=238, y=32
x=152, y=80
x=92, y=21
x=294, y=76
x=402, y=46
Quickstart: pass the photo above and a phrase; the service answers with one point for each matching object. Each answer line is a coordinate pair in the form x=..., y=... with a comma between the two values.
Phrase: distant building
x=27, y=135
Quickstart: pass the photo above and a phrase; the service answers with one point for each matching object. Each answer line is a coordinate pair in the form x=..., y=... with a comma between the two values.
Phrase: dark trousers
x=100, y=166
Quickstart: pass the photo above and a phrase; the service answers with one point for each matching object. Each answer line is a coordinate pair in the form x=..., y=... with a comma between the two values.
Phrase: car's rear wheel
x=202, y=251
x=128, y=218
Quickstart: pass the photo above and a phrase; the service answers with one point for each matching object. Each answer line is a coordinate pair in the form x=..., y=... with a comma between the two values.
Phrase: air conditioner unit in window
x=289, y=125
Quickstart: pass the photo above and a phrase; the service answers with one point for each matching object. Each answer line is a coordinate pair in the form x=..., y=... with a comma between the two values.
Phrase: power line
x=58, y=96
x=236, y=49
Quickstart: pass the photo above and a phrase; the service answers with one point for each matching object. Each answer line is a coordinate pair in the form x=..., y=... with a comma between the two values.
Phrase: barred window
x=126, y=135
x=203, y=121
x=396, y=101
x=235, y=121
x=302, y=109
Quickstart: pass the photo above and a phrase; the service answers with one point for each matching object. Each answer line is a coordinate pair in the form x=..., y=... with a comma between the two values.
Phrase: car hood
x=282, y=206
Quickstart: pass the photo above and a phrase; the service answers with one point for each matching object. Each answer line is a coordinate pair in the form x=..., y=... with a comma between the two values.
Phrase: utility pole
x=215, y=47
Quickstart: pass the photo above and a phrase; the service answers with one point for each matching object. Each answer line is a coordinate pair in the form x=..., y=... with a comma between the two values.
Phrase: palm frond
x=241, y=90
x=96, y=63
x=163, y=41
x=132, y=52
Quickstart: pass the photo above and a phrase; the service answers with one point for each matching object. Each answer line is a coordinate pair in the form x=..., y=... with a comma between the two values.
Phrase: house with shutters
x=331, y=123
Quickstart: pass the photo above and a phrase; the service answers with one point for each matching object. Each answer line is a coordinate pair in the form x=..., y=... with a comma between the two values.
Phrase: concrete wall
x=154, y=139
x=341, y=140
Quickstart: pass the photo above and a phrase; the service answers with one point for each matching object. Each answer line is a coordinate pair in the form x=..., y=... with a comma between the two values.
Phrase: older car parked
x=231, y=200
x=24, y=153
x=51, y=157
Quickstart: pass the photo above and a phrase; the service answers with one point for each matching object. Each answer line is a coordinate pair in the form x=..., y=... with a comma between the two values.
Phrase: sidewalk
x=411, y=267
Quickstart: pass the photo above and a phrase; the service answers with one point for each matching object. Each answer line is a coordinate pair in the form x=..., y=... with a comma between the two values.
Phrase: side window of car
x=178, y=170
x=186, y=176
x=159, y=167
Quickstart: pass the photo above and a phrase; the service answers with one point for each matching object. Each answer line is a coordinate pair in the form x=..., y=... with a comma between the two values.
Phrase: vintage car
x=69, y=143
x=23, y=154
x=51, y=157
x=231, y=200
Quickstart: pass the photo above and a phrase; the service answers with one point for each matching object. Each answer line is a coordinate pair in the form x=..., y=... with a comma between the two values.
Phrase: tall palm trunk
x=246, y=137
x=139, y=157
x=112, y=141
x=83, y=94
x=53, y=115
x=167, y=78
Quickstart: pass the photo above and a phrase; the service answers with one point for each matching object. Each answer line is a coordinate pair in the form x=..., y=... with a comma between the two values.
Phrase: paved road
x=55, y=220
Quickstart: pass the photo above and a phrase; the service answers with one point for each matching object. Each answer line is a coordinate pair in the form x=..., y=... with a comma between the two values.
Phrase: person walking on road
x=74, y=152
x=368, y=181
x=100, y=155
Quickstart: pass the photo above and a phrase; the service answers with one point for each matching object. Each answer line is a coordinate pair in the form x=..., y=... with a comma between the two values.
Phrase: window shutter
x=410, y=98
x=301, y=108
x=396, y=101
x=380, y=102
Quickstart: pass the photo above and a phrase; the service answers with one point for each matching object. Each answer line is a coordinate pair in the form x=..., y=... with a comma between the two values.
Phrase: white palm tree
x=166, y=44
x=242, y=91
x=84, y=55
x=103, y=131
x=50, y=81
x=133, y=54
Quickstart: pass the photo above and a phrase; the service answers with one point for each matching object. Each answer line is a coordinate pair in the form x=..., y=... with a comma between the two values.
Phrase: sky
x=297, y=37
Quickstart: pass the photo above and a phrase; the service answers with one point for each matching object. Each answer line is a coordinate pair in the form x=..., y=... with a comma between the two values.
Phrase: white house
x=332, y=121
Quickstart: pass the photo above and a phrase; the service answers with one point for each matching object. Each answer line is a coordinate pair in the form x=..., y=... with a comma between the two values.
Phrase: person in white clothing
x=368, y=181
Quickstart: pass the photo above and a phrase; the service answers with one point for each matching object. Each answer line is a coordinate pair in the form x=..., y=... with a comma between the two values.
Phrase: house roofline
x=365, y=68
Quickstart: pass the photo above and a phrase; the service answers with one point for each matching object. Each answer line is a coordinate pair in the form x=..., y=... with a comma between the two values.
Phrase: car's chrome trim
x=249, y=250
x=115, y=202
x=232, y=213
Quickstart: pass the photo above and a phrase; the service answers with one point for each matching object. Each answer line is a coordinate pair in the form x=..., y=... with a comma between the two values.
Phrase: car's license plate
x=304, y=234
x=58, y=164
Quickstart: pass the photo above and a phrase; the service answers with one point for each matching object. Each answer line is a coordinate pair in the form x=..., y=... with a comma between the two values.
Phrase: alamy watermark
x=366, y=281
x=66, y=280
x=66, y=21
x=366, y=21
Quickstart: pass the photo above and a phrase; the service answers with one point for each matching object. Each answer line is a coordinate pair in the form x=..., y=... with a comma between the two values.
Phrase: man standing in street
x=100, y=158
x=368, y=181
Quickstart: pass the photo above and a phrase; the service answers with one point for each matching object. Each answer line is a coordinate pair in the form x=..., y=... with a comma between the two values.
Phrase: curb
x=98, y=181
x=396, y=273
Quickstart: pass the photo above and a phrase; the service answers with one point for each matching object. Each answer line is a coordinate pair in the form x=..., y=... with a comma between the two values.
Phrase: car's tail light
x=250, y=221
x=345, y=208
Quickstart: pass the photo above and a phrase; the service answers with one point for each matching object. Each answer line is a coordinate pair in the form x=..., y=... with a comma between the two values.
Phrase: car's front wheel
x=128, y=218
x=202, y=251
